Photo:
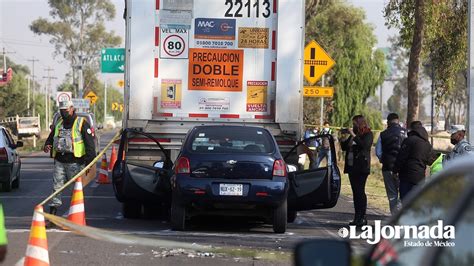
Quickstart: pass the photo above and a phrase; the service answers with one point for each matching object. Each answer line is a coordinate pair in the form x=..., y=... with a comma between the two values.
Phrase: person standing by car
x=3, y=236
x=461, y=145
x=324, y=149
x=387, y=149
x=357, y=164
x=415, y=154
x=72, y=145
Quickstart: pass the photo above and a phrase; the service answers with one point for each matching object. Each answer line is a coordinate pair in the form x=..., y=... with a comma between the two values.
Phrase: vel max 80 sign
x=174, y=43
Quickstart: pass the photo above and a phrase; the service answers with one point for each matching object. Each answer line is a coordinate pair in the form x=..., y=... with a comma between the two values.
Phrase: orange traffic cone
x=103, y=174
x=113, y=159
x=37, y=249
x=77, y=212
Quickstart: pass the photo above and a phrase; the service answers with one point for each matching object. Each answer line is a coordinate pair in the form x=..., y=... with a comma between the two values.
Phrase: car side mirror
x=292, y=168
x=17, y=145
x=159, y=164
x=323, y=252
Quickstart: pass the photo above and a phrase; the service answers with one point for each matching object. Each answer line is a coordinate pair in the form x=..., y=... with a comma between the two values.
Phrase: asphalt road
x=104, y=211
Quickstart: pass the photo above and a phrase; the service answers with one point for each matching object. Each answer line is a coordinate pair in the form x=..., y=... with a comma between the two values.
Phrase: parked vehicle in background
x=10, y=163
x=212, y=66
x=447, y=197
x=28, y=126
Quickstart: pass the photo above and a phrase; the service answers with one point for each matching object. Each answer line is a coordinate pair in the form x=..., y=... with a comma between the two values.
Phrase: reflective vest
x=437, y=165
x=78, y=145
x=3, y=231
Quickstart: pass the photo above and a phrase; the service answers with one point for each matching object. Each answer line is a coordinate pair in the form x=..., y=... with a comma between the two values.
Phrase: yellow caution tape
x=119, y=238
x=83, y=171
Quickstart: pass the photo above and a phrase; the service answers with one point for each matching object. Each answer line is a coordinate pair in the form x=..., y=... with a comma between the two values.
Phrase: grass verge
x=374, y=188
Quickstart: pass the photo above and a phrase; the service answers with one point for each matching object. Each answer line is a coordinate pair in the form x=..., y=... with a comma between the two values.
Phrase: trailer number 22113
x=262, y=7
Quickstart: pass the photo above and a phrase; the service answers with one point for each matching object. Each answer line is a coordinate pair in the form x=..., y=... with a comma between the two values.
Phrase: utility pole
x=33, y=60
x=105, y=101
x=28, y=103
x=470, y=82
x=5, y=59
x=81, y=78
x=48, y=95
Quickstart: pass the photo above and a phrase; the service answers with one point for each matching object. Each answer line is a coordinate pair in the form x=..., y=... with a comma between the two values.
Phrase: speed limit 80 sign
x=174, y=43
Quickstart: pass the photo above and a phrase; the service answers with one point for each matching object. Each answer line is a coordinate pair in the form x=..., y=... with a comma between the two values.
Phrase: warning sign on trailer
x=214, y=104
x=215, y=69
x=257, y=96
x=171, y=93
x=253, y=37
x=174, y=43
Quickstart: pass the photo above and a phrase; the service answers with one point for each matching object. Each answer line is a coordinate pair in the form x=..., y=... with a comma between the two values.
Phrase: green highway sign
x=112, y=60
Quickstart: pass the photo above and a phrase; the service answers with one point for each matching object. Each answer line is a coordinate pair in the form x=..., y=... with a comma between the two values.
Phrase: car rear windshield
x=231, y=139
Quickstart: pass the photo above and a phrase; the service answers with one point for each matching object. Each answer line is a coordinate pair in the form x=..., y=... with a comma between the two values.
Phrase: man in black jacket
x=387, y=149
x=411, y=162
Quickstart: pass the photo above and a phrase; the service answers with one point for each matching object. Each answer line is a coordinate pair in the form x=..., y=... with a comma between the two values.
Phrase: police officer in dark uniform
x=71, y=143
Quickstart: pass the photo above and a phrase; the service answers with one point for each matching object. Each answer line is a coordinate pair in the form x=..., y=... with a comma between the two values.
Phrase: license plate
x=231, y=189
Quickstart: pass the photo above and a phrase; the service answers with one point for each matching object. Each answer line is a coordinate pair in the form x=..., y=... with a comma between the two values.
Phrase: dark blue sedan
x=230, y=170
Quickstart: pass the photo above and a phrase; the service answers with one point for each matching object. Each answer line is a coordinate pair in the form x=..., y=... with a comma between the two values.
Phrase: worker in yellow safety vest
x=3, y=236
x=71, y=143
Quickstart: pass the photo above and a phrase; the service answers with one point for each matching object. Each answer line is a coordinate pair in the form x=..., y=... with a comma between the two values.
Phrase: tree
x=359, y=70
x=409, y=17
x=443, y=40
x=78, y=30
x=447, y=42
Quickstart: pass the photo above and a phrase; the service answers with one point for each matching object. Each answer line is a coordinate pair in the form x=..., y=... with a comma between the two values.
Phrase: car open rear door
x=316, y=188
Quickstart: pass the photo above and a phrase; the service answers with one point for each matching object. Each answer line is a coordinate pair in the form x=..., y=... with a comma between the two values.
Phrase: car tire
x=178, y=215
x=7, y=186
x=131, y=209
x=16, y=182
x=280, y=218
x=291, y=216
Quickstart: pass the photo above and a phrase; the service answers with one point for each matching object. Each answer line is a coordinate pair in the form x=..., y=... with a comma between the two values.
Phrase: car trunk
x=242, y=166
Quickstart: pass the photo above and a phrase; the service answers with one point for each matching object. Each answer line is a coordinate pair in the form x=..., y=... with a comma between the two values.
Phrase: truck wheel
x=131, y=209
x=280, y=218
x=151, y=211
x=16, y=182
x=178, y=216
x=292, y=216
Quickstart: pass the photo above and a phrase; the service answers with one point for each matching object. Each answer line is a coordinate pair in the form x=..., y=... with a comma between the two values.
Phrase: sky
x=22, y=45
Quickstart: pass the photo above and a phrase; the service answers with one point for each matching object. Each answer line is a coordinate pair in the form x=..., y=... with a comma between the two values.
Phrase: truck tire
x=131, y=209
x=178, y=216
x=151, y=211
x=280, y=218
x=291, y=216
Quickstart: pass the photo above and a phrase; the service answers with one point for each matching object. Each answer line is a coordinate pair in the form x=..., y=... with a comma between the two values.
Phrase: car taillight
x=279, y=168
x=3, y=155
x=183, y=166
